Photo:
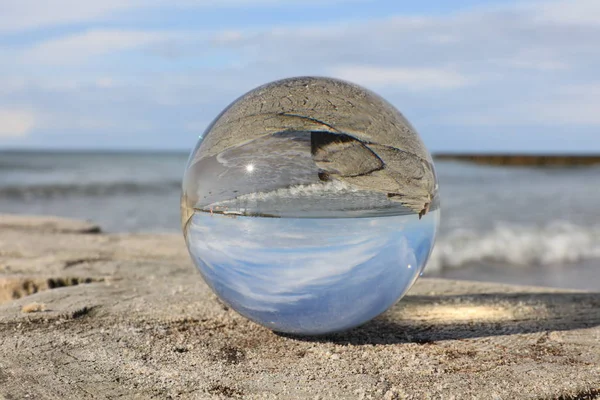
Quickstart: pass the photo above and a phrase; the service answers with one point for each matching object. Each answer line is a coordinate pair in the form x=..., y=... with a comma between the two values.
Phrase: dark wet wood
x=526, y=160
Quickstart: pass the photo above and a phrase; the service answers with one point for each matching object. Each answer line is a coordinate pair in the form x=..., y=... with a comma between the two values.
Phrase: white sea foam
x=554, y=243
x=310, y=190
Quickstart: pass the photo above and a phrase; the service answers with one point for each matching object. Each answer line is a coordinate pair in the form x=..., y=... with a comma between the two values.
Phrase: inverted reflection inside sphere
x=310, y=205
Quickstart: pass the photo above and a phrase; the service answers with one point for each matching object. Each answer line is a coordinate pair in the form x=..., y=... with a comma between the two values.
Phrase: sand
x=91, y=315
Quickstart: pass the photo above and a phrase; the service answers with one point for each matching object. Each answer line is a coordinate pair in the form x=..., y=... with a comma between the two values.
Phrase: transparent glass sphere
x=310, y=205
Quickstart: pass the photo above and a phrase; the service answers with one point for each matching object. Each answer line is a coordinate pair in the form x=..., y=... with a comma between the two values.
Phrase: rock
x=133, y=319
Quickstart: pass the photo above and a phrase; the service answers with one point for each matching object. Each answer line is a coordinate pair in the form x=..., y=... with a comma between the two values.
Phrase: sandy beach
x=85, y=314
x=195, y=194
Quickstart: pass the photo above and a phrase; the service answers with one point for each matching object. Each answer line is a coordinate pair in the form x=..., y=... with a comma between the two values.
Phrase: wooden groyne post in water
x=527, y=160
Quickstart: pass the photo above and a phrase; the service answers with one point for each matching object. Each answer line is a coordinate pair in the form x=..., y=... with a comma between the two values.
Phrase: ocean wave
x=95, y=189
x=309, y=190
x=555, y=243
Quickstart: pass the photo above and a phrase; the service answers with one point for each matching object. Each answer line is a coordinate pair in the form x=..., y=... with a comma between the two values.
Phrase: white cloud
x=589, y=91
x=567, y=113
x=228, y=37
x=16, y=15
x=21, y=15
x=539, y=65
x=93, y=122
x=105, y=82
x=569, y=105
x=16, y=123
x=410, y=78
x=572, y=12
x=82, y=46
x=14, y=85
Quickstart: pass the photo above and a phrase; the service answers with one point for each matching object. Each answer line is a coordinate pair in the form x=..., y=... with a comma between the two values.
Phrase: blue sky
x=152, y=74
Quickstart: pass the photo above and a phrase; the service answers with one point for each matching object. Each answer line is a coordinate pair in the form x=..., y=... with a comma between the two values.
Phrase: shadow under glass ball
x=310, y=205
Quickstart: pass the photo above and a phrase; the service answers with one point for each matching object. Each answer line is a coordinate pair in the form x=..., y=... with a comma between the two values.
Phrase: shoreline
x=581, y=275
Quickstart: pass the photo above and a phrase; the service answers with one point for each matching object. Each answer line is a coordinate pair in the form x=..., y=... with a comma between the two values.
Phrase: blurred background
x=101, y=103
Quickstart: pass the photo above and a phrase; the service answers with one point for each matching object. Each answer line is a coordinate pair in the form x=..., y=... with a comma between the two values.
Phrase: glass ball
x=310, y=205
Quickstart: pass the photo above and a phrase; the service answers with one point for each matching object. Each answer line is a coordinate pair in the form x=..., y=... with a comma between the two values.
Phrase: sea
x=517, y=225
